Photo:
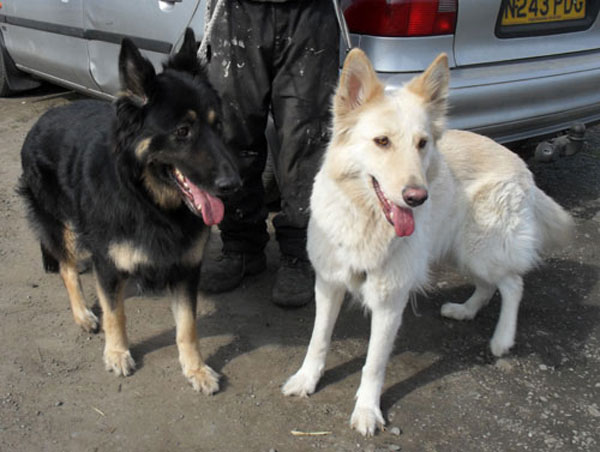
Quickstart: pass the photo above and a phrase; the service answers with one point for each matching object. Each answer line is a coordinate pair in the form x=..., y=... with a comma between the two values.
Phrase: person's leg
x=239, y=70
x=306, y=62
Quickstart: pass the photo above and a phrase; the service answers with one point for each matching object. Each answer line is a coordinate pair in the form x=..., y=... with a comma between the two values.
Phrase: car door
x=154, y=25
x=46, y=37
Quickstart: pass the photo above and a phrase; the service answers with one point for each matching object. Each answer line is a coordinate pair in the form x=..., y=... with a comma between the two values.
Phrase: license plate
x=521, y=12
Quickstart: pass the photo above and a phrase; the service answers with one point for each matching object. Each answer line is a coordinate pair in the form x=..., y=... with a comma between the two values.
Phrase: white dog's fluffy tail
x=556, y=225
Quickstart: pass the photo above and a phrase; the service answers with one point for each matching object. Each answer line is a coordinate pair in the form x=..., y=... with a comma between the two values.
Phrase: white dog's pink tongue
x=212, y=208
x=404, y=223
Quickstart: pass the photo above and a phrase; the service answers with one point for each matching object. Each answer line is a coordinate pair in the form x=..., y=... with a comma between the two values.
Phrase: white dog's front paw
x=366, y=420
x=501, y=345
x=457, y=311
x=300, y=384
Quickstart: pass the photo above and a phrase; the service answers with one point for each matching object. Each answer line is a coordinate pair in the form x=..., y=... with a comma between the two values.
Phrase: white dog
x=396, y=194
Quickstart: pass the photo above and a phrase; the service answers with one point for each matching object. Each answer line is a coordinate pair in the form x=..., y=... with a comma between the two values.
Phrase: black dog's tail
x=36, y=216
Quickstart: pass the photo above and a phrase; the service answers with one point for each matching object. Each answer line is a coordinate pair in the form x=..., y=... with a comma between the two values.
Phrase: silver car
x=520, y=68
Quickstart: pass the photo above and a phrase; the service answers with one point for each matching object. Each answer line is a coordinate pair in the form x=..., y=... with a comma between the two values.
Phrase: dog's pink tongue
x=404, y=223
x=212, y=208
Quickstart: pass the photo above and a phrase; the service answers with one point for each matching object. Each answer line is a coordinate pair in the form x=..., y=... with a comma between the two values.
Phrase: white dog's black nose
x=414, y=196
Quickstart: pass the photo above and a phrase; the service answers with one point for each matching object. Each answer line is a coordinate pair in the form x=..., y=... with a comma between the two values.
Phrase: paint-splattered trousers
x=280, y=58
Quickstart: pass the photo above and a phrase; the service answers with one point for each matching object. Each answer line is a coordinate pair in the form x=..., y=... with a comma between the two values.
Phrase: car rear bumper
x=523, y=98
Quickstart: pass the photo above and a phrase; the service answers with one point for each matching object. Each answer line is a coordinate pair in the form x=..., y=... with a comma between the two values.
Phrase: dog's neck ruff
x=400, y=217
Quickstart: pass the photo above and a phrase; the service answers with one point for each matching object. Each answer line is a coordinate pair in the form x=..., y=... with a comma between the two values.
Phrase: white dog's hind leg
x=469, y=309
x=385, y=321
x=328, y=299
x=511, y=290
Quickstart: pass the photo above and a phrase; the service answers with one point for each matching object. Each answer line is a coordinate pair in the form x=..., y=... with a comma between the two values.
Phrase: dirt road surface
x=443, y=391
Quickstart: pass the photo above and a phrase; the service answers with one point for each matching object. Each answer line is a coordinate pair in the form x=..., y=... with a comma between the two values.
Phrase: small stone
x=504, y=365
x=543, y=367
x=59, y=403
x=394, y=447
x=593, y=411
x=395, y=431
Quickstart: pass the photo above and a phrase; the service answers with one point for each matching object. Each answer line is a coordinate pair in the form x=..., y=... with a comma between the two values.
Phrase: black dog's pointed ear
x=189, y=46
x=186, y=59
x=136, y=72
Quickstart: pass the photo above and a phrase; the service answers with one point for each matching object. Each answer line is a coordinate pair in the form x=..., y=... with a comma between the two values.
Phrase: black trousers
x=280, y=58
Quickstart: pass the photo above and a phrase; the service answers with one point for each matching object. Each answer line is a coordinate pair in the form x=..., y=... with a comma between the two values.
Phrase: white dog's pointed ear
x=358, y=83
x=432, y=86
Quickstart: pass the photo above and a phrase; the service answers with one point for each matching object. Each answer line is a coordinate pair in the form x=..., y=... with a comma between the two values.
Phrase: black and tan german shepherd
x=136, y=184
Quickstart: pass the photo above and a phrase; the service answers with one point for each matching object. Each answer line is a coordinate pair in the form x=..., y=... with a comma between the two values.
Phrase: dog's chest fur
x=129, y=254
x=351, y=243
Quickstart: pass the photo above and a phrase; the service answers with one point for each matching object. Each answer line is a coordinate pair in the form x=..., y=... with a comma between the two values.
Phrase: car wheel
x=4, y=87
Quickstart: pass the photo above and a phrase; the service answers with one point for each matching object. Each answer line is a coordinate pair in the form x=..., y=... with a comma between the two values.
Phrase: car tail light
x=401, y=17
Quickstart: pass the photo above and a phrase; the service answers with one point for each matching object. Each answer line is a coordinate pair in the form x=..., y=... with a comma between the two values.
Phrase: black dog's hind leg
x=82, y=315
x=111, y=294
x=67, y=266
x=201, y=376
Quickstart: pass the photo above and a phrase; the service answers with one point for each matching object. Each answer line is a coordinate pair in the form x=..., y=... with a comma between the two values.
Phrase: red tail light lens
x=401, y=17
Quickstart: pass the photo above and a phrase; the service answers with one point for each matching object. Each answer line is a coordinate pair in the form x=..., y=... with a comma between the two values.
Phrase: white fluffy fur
x=484, y=213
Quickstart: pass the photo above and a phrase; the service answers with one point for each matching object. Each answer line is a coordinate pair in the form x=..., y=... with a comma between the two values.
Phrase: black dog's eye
x=183, y=132
x=422, y=143
x=382, y=141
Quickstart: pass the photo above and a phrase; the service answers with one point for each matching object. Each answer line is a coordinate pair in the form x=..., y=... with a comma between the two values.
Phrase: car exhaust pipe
x=563, y=146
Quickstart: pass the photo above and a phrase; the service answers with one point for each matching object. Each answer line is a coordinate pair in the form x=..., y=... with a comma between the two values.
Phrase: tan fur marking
x=81, y=314
x=212, y=115
x=202, y=377
x=113, y=320
x=191, y=115
x=70, y=241
x=187, y=338
x=138, y=100
x=117, y=357
x=126, y=257
x=142, y=148
x=194, y=254
x=165, y=196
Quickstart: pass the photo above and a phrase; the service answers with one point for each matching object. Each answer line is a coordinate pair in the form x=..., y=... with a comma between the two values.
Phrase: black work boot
x=227, y=271
x=294, y=283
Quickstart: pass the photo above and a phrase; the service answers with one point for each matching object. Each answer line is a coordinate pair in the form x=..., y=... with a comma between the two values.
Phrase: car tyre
x=4, y=86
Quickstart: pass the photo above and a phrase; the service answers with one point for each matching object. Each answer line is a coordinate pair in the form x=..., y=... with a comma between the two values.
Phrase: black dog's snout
x=228, y=182
x=414, y=196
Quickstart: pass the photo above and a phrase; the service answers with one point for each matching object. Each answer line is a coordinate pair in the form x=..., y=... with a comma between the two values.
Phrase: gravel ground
x=444, y=391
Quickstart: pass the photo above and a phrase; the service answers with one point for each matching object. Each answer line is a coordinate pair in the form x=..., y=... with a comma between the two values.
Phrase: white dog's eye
x=422, y=143
x=382, y=141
